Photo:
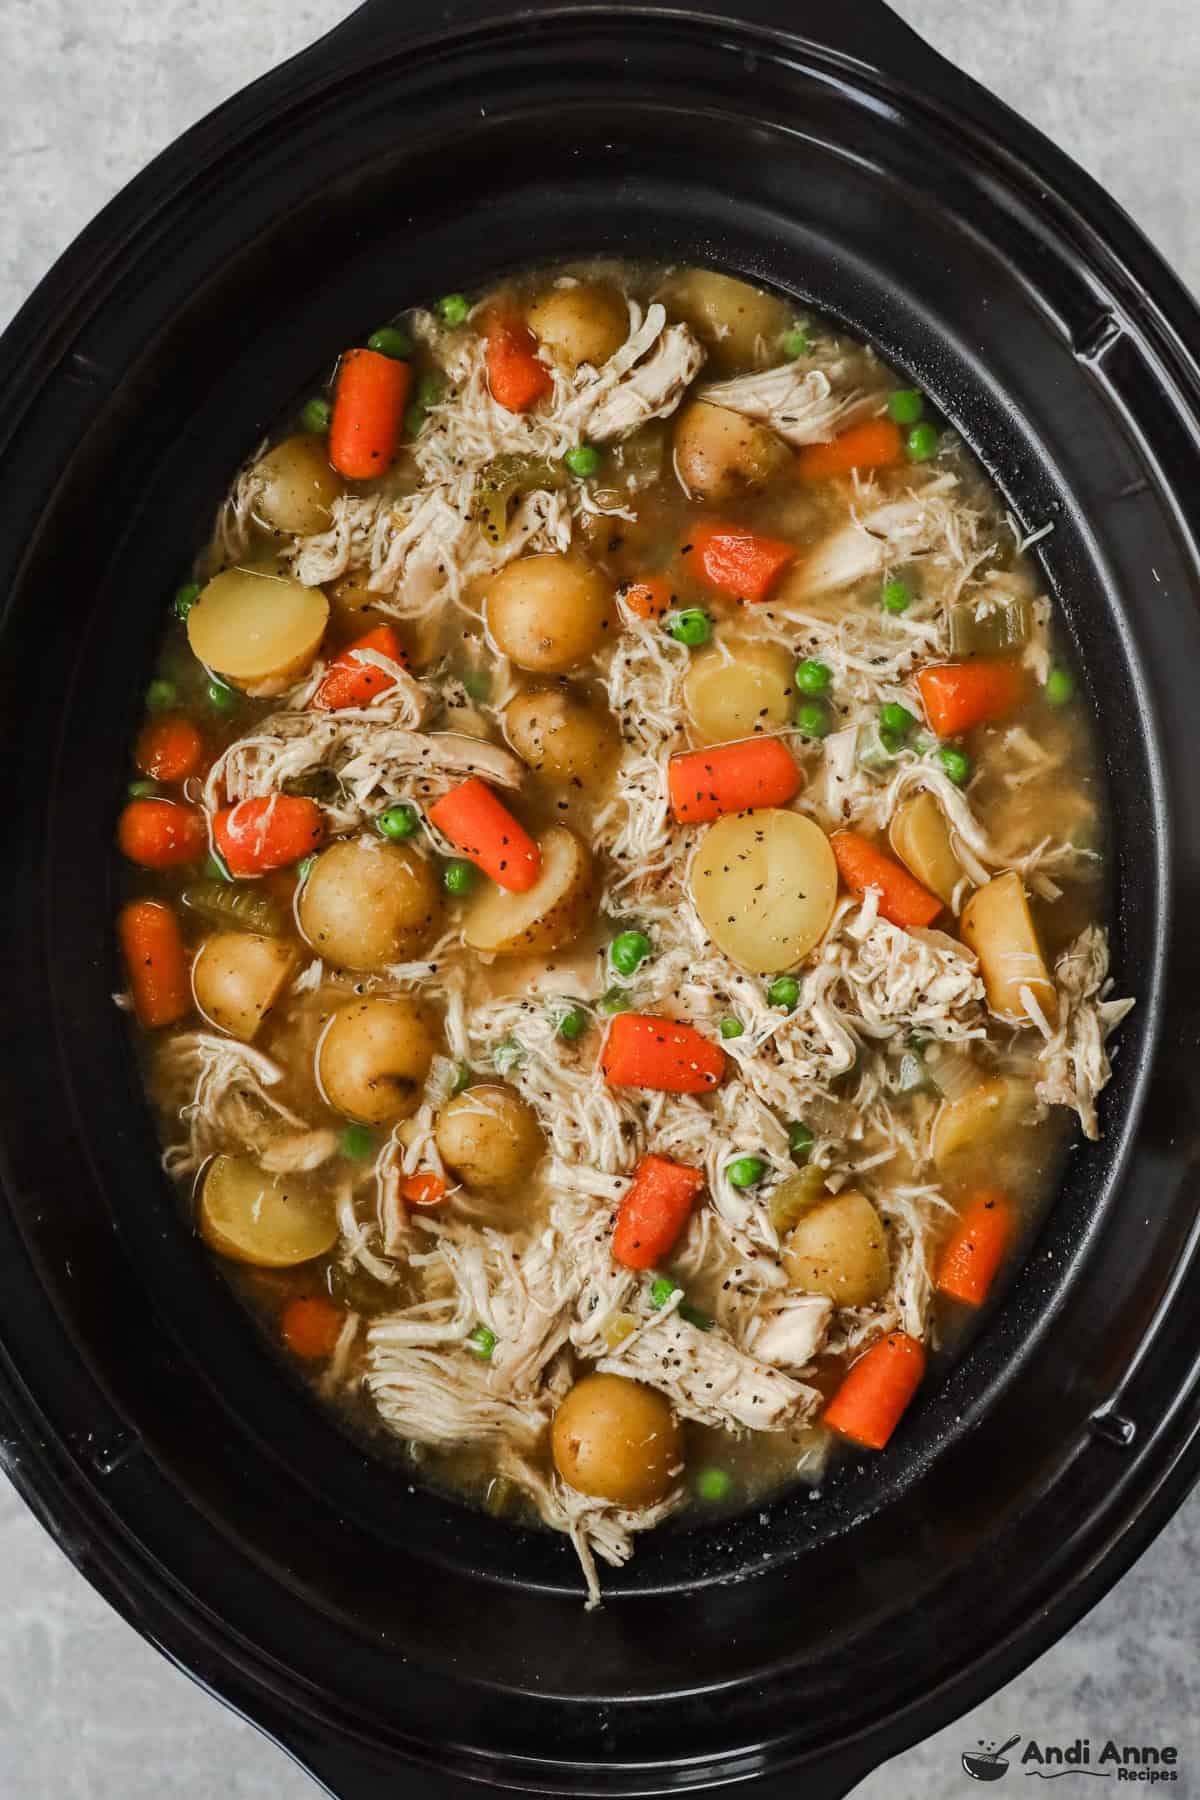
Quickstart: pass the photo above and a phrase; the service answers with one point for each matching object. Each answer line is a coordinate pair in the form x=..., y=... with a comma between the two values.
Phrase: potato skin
x=367, y=904
x=618, y=1440
x=299, y=486
x=747, y=691
x=729, y=316
x=548, y=915
x=549, y=612
x=839, y=1248
x=237, y=977
x=585, y=323
x=719, y=455
x=561, y=736
x=488, y=1136
x=373, y=1057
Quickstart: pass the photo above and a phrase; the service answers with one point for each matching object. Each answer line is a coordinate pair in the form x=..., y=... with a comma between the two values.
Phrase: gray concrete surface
x=89, y=89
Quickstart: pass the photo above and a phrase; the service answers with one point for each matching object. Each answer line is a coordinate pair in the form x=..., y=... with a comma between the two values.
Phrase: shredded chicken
x=1074, y=1062
x=804, y=406
x=220, y=1091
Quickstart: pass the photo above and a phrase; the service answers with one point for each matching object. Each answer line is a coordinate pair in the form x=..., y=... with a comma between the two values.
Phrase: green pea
x=784, y=991
x=185, y=598
x=922, y=442
x=732, y=1028
x=814, y=677
x=615, y=1000
x=143, y=790
x=481, y=1342
x=573, y=1024
x=896, y=719
x=744, y=1171
x=661, y=1289
x=800, y=1140
x=892, y=741
x=397, y=823
x=691, y=627
x=414, y=419
x=582, y=460
x=356, y=1143
x=462, y=1079
x=813, y=719
x=454, y=309
x=458, y=877
x=316, y=415
x=1060, y=687
x=221, y=696
x=629, y=948
x=161, y=694
x=905, y=405
x=956, y=763
x=390, y=341
x=507, y=1054
x=431, y=390
x=896, y=596
x=304, y=868
x=796, y=342
x=714, y=1485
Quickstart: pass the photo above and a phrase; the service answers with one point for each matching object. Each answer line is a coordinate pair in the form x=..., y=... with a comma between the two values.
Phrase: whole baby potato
x=583, y=323
x=618, y=1440
x=839, y=1248
x=737, y=322
x=373, y=1057
x=550, y=612
x=297, y=486
x=488, y=1136
x=720, y=455
x=559, y=735
x=367, y=904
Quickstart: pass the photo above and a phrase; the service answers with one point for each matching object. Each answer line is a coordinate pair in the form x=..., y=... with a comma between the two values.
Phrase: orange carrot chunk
x=352, y=679
x=256, y=836
x=902, y=899
x=152, y=945
x=368, y=408
x=169, y=749
x=311, y=1327
x=737, y=561
x=159, y=834
x=655, y=1209
x=642, y=1051
x=649, y=599
x=424, y=1188
x=871, y=1400
x=516, y=374
x=960, y=695
x=876, y=444
x=481, y=826
x=973, y=1254
x=703, y=784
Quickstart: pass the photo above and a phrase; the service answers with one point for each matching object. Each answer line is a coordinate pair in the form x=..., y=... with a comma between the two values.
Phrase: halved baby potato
x=560, y=736
x=920, y=837
x=970, y=1133
x=998, y=926
x=259, y=631
x=298, y=486
x=237, y=978
x=839, y=1248
x=367, y=904
x=765, y=885
x=583, y=323
x=738, y=689
x=549, y=914
x=720, y=454
x=270, y=1221
x=737, y=322
x=373, y=1057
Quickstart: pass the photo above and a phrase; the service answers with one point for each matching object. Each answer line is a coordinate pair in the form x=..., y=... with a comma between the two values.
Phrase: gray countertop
x=89, y=90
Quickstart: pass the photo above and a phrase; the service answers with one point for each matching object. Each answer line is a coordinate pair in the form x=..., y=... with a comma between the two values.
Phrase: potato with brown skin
x=298, y=486
x=617, y=1440
x=237, y=978
x=550, y=613
x=268, y=1221
x=259, y=631
x=998, y=926
x=839, y=1248
x=739, y=324
x=546, y=916
x=971, y=1135
x=720, y=455
x=738, y=689
x=373, y=1057
x=584, y=323
x=367, y=904
x=488, y=1136
x=561, y=736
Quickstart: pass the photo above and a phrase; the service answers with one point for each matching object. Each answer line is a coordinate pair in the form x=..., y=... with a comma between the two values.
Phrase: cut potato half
x=970, y=1134
x=271, y=1221
x=259, y=631
x=549, y=914
x=921, y=839
x=765, y=885
x=998, y=926
x=237, y=978
x=839, y=1248
x=739, y=690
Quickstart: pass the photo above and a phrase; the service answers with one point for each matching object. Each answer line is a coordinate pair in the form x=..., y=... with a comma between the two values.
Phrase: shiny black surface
x=419, y=152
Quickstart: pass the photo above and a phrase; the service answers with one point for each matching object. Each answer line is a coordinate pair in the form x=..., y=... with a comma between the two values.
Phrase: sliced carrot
x=352, y=679
x=960, y=695
x=256, y=836
x=703, y=784
x=876, y=444
x=649, y=599
x=973, y=1254
x=481, y=826
x=871, y=1400
x=737, y=561
x=169, y=749
x=424, y=1188
x=655, y=1209
x=152, y=945
x=642, y=1051
x=160, y=834
x=902, y=899
x=368, y=409
x=311, y=1327
x=516, y=374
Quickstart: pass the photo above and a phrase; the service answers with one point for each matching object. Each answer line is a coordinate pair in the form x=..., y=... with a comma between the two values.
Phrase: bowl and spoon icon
x=988, y=1765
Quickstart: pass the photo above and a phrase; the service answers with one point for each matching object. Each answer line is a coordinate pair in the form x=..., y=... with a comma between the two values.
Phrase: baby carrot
x=871, y=1400
x=516, y=375
x=737, y=561
x=159, y=834
x=643, y=1051
x=351, y=680
x=169, y=749
x=703, y=784
x=272, y=832
x=973, y=1254
x=481, y=826
x=902, y=899
x=372, y=392
x=649, y=599
x=311, y=1327
x=152, y=945
x=960, y=695
x=876, y=444
x=424, y=1188
x=654, y=1210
